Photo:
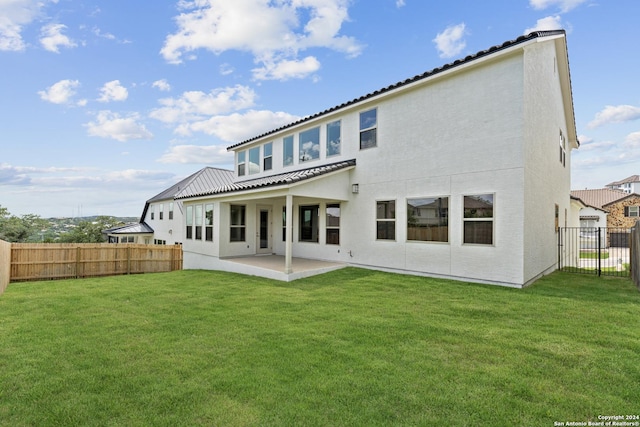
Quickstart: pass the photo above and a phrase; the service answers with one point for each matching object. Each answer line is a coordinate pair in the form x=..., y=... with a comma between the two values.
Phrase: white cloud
x=546, y=24
x=210, y=155
x=113, y=91
x=632, y=141
x=563, y=5
x=61, y=92
x=226, y=69
x=162, y=85
x=400, y=3
x=451, y=41
x=615, y=114
x=14, y=15
x=52, y=39
x=238, y=127
x=111, y=125
x=266, y=29
x=287, y=69
x=196, y=105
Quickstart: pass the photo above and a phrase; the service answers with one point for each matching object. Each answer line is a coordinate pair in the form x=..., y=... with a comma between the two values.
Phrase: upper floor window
x=368, y=128
x=254, y=160
x=171, y=210
x=267, y=162
x=287, y=150
x=563, y=149
x=152, y=211
x=428, y=219
x=333, y=138
x=386, y=220
x=241, y=162
x=309, y=144
x=478, y=219
x=161, y=211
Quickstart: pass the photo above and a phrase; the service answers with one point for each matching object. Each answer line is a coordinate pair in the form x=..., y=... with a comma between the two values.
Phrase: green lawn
x=348, y=348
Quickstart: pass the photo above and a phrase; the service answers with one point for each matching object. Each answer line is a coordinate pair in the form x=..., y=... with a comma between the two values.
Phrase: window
x=287, y=148
x=268, y=156
x=159, y=242
x=632, y=211
x=208, y=222
x=171, y=210
x=152, y=211
x=241, y=162
x=309, y=223
x=563, y=149
x=386, y=220
x=198, y=222
x=189, y=221
x=333, y=224
x=428, y=219
x=254, y=160
x=127, y=239
x=333, y=138
x=309, y=144
x=557, y=218
x=478, y=219
x=161, y=211
x=238, y=225
x=368, y=128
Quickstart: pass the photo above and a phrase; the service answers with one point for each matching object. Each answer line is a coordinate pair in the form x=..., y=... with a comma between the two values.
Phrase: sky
x=104, y=104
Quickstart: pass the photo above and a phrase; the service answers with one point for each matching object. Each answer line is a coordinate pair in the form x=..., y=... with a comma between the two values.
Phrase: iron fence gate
x=603, y=251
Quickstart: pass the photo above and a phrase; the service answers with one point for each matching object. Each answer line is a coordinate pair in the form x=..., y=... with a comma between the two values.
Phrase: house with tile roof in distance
x=162, y=218
x=481, y=147
x=594, y=214
x=628, y=185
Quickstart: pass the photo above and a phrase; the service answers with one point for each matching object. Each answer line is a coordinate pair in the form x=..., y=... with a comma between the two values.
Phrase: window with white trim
x=208, y=222
x=267, y=161
x=198, y=222
x=287, y=150
x=386, y=220
x=242, y=155
x=189, y=221
x=368, y=128
x=254, y=160
x=237, y=229
x=478, y=219
x=563, y=149
x=632, y=211
x=309, y=144
x=428, y=219
x=333, y=138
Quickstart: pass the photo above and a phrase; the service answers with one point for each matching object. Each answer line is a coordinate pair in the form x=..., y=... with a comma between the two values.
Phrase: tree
x=90, y=231
x=20, y=229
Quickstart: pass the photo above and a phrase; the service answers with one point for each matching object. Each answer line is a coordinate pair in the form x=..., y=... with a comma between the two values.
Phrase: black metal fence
x=635, y=254
x=603, y=251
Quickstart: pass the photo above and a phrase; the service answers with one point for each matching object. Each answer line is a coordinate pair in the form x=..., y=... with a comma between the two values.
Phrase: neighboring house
x=623, y=212
x=162, y=219
x=594, y=214
x=628, y=185
x=461, y=172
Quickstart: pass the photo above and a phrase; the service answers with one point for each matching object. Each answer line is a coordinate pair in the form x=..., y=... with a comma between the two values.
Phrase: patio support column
x=288, y=235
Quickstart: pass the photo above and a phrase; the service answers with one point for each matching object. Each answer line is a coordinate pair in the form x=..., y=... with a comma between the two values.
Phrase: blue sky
x=104, y=104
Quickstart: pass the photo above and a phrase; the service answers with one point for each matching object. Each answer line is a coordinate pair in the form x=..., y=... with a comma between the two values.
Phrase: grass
x=348, y=348
x=594, y=255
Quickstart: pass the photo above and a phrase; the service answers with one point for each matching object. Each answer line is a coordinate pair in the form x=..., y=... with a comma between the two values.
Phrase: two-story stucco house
x=461, y=172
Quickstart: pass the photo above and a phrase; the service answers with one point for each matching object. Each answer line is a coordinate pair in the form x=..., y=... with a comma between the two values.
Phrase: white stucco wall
x=167, y=229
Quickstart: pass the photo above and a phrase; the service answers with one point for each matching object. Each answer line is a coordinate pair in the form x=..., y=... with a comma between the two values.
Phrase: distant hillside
x=57, y=226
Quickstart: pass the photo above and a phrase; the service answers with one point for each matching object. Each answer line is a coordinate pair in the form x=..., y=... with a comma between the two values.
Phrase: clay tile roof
x=267, y=181
x=632, y=178
x=600, y=197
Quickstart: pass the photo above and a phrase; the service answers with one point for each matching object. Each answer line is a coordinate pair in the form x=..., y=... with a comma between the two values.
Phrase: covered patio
x=275, y=266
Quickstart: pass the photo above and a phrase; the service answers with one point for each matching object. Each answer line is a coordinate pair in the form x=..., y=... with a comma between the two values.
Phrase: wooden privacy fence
x=46, y=261
x=5, y=265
